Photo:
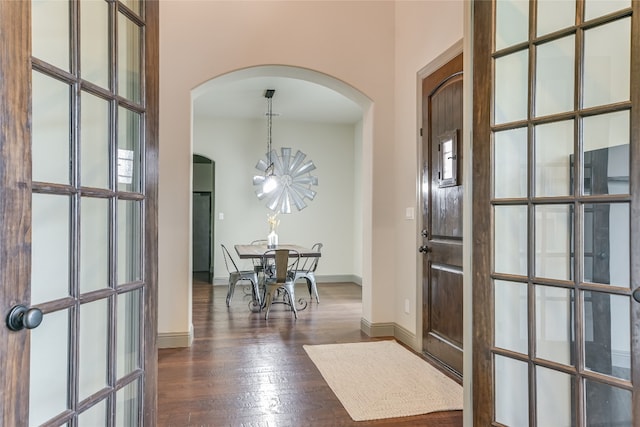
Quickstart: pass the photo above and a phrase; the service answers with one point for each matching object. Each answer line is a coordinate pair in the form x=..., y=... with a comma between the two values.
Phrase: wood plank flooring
x=244, y=371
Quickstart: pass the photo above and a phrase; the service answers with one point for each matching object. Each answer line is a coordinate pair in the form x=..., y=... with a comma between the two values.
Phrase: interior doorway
x=202, y=219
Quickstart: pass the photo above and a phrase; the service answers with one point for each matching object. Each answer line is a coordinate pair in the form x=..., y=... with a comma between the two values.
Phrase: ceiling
x=294, y=99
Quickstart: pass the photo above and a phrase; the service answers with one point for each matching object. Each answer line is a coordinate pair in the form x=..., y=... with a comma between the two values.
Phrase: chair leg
x=313, y=288
x=267, y=301
x=232, y=287
x=289, y=290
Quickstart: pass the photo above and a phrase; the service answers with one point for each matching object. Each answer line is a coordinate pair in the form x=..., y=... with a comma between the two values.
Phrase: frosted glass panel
x=555, y=76
x=94, y=244
x=94, y=141
x=94, y=338
x=512, y=22
x=606, y=153
x=128, y=339
x=49, y=248
x=553, y=241
x=512, y=395
x=95, y=416
x=607, y=63
x=606, y=244
x=511, y=94
x=554, y=15
x=607, y=405
x=129, y=241
x=553, y=151
x=554, y=324
x=597, y=8
x=49, y=367
x=510, y=163
x=50, y=137
x=94, y=56
x=555, y=398
x=510, y=236
x=127, y=403
x=607, y=334
x=511, y=316
x=129, y=134
x=129, y=54
x=50, y=31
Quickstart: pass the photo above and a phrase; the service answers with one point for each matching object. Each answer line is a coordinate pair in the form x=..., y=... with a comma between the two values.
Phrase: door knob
x=21, y=317
x=424, y=249
x=424, y=233
x=636, y=295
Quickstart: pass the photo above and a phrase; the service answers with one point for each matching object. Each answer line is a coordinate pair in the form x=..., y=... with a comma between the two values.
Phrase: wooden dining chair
x=308, y=272
x=282, y=280
x=236, y=275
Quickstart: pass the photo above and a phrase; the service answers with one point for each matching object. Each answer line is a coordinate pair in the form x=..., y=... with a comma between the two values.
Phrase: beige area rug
x=382, y=379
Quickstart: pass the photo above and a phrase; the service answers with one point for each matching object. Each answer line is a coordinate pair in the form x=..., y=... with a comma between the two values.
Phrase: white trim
x=175, y=339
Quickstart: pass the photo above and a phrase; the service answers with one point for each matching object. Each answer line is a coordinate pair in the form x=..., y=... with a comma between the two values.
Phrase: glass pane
x=606, y=244
x=49, y=247
x=607, y=63
x=512, y=22
x=129, y=242
x=554, y=324
x=555, y=76
x=94, y=244
x=93, y=348
x=606, y=153
x=607, y=405
x=607, y=334
x=50, y=31
x=129, y=134
x=51, y=129
x=129, y=53
x=553, y=158
x=94, y=27
x=511, y=94
x=95, y=416
x=555, y=398
x=510, y=236
x=510, y=163
x=511, y=316
x=553, y=241
x=512, y=394
x=597, y=8
x=133, y=5
x=127, y=403
x=49, y=367
x=129, y=325
x=555, y=15
x=94, y=142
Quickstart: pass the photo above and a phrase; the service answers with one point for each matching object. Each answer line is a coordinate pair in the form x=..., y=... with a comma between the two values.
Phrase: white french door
x=79, y=294
x=556, y=204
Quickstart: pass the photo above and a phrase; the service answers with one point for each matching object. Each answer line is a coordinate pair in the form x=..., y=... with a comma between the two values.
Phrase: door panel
x=74, y=243
x=442, y=215
x=555, y=202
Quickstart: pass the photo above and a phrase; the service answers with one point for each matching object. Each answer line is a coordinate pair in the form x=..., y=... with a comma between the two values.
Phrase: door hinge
x=420, y=131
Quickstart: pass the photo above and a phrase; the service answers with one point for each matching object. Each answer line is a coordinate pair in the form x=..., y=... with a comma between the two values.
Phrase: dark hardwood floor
x=244, y=371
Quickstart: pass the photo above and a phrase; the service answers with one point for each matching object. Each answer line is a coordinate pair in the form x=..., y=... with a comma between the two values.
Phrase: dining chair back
x=236, y=275
x=308, y=272
x=283, y=279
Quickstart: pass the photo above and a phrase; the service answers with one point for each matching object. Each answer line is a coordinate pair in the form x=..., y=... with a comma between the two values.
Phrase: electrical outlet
x=221, y=216
x=406, y=306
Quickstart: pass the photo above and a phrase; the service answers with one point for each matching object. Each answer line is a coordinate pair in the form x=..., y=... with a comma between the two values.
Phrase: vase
x=272, y=239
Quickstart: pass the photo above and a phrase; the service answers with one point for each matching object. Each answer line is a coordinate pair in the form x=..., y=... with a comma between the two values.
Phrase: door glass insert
x=94, y=244
x=94, y=416
x=134, y=5
x=510, y=160
x=129, y=263
x=94, y=55
x=511, y=315
x=129, y=134
x=511, y=90
x=93, y=350
x=51, y=130
x=553, y=241
x=554, y=15
x=50, y=251
x=555, y=397
x=127, y=402
x=607, y=405
x=553, y=154
x=607, y=63
x=555, y=76
x=129, y=61
x=512, y=22
x=597, y=8
x=50, y=366
x=50, y=26
x=554, y=324
x=94, y=141
x=511, y=391
x=128, y=339
x=511, y=240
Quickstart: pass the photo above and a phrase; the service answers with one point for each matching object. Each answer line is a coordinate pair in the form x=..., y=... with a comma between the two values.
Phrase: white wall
x=236, y=145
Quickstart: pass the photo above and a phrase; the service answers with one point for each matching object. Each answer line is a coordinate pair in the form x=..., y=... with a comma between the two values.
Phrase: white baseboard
x=175, y=339
x=390, y=330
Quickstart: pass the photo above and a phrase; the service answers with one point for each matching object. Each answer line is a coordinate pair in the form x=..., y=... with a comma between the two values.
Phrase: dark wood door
x=442, y=215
